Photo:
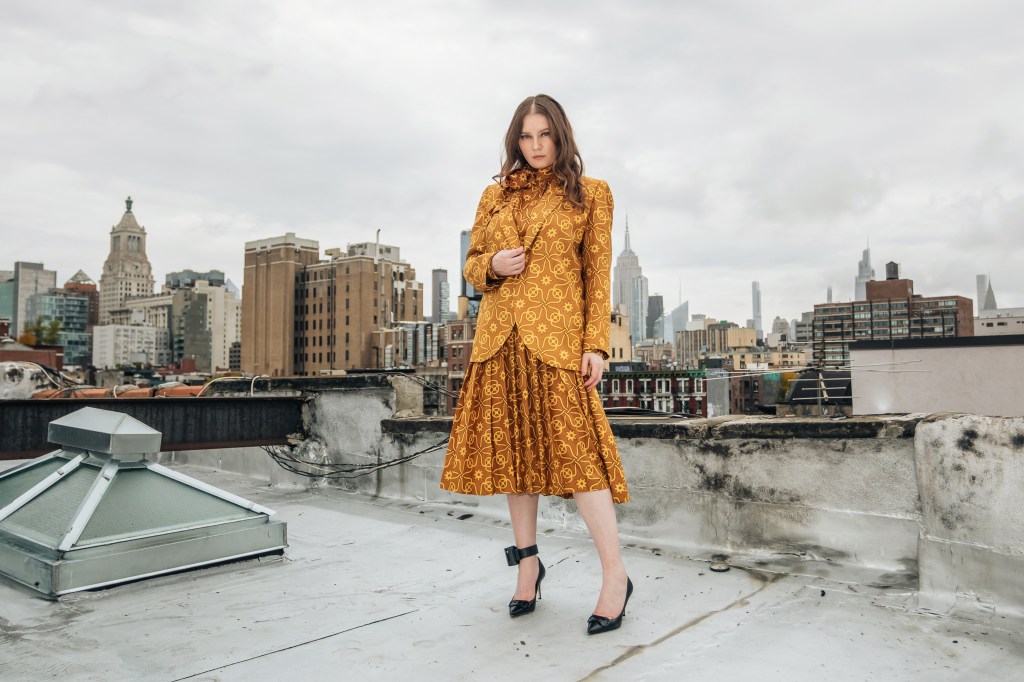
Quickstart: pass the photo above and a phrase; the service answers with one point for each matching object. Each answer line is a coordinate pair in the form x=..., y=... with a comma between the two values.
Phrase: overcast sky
x=747, y=140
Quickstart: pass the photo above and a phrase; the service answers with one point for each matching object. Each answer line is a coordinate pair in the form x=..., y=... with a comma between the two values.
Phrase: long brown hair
x=568, y=165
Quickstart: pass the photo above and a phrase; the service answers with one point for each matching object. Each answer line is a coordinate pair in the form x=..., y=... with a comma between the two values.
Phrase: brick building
x=629, y=384
x=892, y=311
x=302, y=315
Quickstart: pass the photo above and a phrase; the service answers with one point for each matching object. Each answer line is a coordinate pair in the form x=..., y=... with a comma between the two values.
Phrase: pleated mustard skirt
x=522, y=426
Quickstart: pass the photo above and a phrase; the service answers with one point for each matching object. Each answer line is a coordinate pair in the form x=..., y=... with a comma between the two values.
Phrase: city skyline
x=785, y=141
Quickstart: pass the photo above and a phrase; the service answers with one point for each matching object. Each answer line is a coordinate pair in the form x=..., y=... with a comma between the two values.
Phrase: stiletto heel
x=597, y=624
x=520, y=607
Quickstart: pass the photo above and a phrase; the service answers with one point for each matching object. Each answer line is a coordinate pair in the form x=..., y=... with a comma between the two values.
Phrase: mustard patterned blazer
x=561, y=302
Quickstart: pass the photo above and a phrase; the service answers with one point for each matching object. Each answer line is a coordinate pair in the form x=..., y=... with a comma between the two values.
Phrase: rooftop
x=404, y=589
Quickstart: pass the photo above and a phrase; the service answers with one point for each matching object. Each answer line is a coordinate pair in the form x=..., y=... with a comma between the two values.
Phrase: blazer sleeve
x=478, y=262
x=597, y=265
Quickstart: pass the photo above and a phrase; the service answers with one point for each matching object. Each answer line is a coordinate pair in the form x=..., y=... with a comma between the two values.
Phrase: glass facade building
x=72, y=310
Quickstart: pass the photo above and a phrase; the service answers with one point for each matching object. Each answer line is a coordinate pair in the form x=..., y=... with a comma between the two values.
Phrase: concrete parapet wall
x=821, y=497
x=914, y=501
x=971, y=475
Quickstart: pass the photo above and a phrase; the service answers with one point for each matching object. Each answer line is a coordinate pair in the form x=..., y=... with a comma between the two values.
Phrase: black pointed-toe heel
x=520, y=607
x=597, y=624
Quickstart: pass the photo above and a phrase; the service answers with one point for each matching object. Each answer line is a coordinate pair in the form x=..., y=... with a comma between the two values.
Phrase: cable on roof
x=333, y=471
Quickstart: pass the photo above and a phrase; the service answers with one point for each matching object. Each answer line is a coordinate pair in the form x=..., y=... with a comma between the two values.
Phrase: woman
x=529, y=421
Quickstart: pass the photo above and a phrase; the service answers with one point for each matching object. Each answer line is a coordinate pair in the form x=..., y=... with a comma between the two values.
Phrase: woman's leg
x=522, y=509
x=598, y=512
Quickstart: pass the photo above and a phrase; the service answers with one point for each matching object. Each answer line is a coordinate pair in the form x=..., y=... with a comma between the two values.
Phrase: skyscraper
x=655, y=309
x=755, y=290
x=440, y=295
x=126, y=272
x=29, y=279
x=864, y=275
x=986, y=297
x=629, y=289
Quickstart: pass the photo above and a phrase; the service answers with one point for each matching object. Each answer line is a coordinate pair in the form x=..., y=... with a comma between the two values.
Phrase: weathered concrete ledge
x=890, y=426
x=928, y=502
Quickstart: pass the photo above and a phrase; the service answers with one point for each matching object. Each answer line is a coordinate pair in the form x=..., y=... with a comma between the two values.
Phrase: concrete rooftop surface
x=375, y=589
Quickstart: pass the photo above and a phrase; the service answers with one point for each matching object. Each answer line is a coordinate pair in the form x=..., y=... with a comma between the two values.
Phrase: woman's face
x=537, y=142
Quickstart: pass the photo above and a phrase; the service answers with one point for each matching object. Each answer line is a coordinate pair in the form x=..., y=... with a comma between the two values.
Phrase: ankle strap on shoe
x=513, y=554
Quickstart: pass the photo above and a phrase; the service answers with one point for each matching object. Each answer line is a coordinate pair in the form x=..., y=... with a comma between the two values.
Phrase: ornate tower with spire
x=126, y=272
x=629, y=290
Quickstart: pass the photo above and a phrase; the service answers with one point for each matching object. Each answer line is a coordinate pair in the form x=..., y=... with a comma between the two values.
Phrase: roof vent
x=97, y=512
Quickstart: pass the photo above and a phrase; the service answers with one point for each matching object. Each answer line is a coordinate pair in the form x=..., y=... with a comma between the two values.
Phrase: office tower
x=986, y=297
x=629, y=288
x=126, y=272
x=29, y=279
x=655, y=309
x=440, y=295
x=72, y=311
x=755, y=289
x=864, y=275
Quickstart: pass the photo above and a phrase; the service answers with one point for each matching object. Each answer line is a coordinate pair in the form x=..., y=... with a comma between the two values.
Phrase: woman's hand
x=591, y=369
x=509, y=262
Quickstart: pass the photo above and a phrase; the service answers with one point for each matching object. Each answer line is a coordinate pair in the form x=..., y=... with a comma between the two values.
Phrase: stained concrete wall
x=780, y=494
x=971, y=475
x=903, y=501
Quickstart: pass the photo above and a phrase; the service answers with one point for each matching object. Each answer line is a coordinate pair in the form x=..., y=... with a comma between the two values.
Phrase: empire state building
x=629, y=291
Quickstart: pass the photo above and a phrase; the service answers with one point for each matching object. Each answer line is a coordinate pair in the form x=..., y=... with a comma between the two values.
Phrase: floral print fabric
x=523, y=426
x=524, y=422
x=561, y=303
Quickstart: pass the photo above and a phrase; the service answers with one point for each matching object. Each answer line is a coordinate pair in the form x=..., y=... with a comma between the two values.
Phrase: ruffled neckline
x=527, y=178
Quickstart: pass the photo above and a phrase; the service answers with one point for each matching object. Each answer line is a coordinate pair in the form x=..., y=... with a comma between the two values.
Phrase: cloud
x=746, y=140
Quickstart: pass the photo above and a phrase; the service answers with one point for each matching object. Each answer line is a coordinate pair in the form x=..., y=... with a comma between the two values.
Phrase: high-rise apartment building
x=629, y=289
x=274, y=269
x=120, y=345
x=891, y=311
x=302, y=315
x=127, y=272
x=29, y=279
x=205, y=319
